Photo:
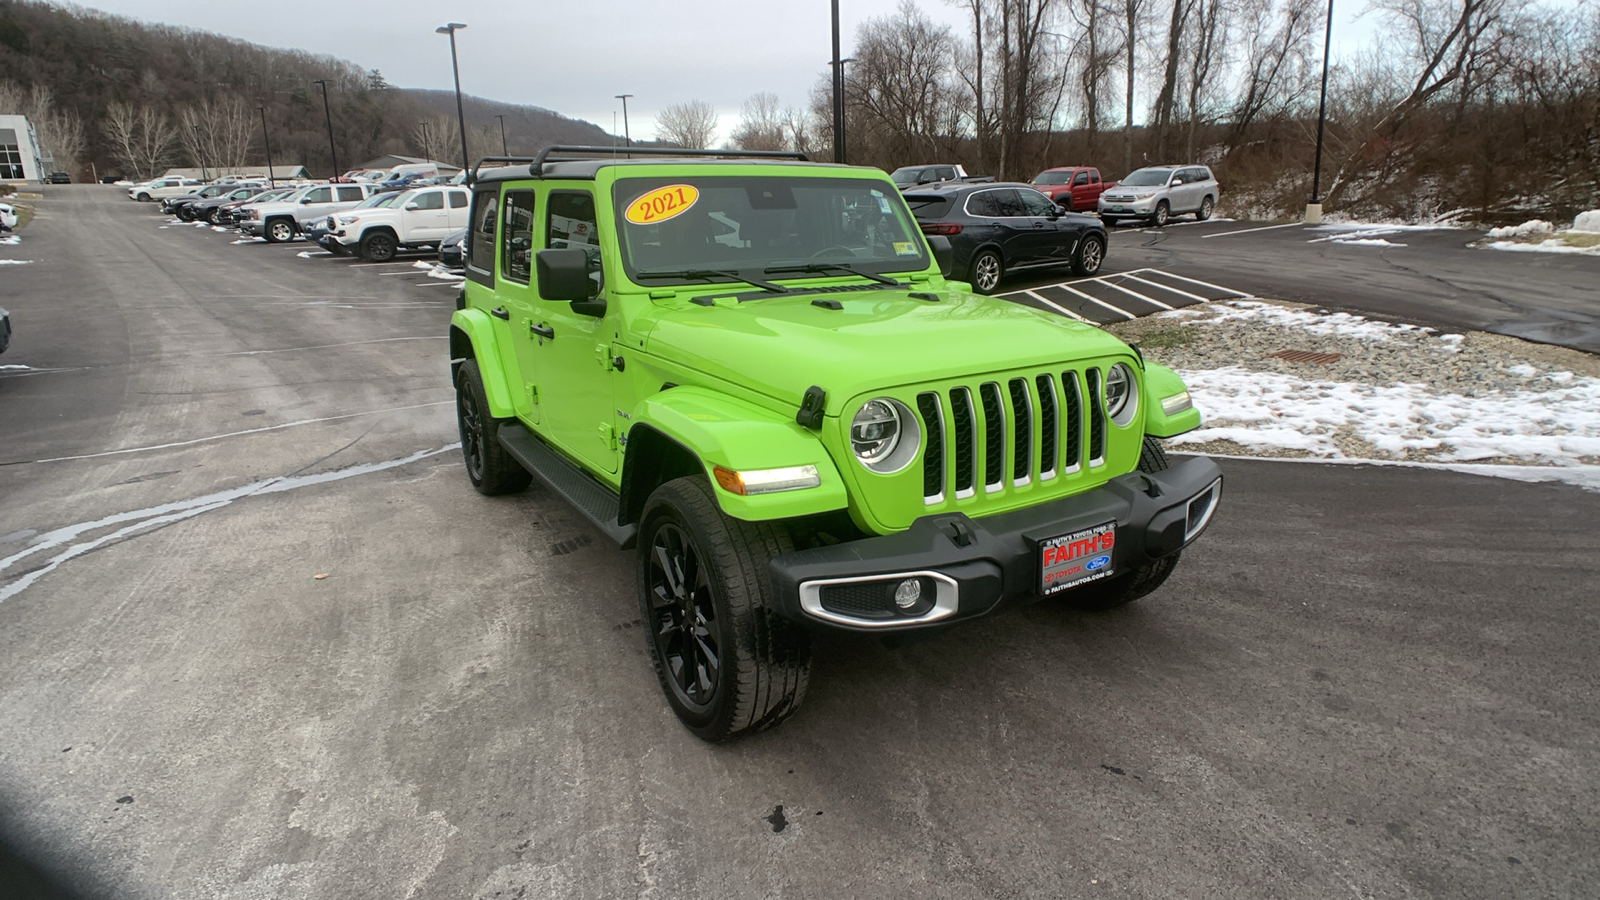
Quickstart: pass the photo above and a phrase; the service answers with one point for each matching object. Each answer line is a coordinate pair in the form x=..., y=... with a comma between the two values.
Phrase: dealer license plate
x=1077, y=558
x=1119, y=209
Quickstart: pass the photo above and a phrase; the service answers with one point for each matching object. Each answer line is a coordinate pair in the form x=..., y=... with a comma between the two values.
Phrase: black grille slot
x=872, y=600
x=933, y=457
x=964, y=426
x=994, y=435
x=1072, y=429
x=1022, y=434
x=1047, y=425
x=1097, y=416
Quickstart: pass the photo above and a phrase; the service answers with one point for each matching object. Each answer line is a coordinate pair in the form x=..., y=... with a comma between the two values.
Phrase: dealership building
x=20, y=159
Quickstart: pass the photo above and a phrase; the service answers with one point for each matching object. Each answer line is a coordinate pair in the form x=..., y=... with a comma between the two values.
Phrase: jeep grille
x=987, y=430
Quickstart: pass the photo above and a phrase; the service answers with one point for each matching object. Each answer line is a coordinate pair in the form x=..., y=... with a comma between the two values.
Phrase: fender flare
x=1158, y=382
x=472, y=336
x=712, y=429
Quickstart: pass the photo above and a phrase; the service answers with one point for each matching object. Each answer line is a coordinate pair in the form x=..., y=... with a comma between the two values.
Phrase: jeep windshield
x=744, y=228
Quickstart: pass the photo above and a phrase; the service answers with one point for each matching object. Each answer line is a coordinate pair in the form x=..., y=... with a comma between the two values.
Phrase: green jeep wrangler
x=750, y=368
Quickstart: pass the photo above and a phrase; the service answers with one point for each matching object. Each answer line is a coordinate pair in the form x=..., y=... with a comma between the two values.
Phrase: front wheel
x=1140, y=579
x=378, y=246
x=186, y=213
x=143, y=197
x=1091, y=254
x=211, y=215
x=727, y=662
x=987, y=270
x=1204, y=212
x=279, y=231
x=490, y=468
x=1163, y=213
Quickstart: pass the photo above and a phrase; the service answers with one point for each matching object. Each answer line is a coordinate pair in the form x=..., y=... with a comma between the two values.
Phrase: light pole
x=427, y=142
x=328, y=115
x=1314, y=208
x=198, y=157
x=271, y=182
x=503, y=150
x=627, y=138
x=838, y=108
x=461, y=117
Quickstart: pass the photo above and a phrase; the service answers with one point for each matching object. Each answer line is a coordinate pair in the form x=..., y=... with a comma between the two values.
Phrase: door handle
x=499, y=312
x=542, y=330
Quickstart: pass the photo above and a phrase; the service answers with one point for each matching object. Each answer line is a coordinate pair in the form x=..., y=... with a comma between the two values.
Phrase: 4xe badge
x=1076, y=558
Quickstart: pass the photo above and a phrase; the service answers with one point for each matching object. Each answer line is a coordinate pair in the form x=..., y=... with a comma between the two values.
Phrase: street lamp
x=323, y=83
x=503, y=150
x=198, y=157
x=271, y=182
x=1314, y=208
x=838, y=106
x=627, y=138
x=461, y=117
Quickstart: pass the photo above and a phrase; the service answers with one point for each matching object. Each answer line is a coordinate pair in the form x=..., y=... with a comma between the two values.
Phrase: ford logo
x=1099, y=562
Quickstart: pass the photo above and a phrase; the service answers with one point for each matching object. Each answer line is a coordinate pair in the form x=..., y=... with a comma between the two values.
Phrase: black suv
x=995, y=229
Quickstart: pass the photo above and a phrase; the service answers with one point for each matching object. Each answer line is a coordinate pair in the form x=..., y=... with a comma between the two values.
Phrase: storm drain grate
x=1306, y=356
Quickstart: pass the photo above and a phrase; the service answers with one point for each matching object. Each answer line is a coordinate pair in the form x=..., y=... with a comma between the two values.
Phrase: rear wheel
x=1091, y=254
x=490, y=468
x=279, y=230
x=378, y=246
x=1139, y=580
x=727, y=662
x=987, y=270
x=1204, y=212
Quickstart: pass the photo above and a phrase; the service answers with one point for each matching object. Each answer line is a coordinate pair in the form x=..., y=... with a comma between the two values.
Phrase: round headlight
x=875, y=431
x=1119, y=394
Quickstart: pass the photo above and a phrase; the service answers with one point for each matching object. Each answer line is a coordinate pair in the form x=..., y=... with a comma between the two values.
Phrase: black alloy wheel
x=212, y=213
x=684, y=622
x=186, y=212
x=490, y=468
x=379, y=246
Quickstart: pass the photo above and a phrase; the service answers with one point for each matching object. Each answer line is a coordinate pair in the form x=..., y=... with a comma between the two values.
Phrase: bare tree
x=900, y=89
x=1132, y=13
x=690, y=125
x=1276, y=43
x=761, y=126
x=1098, y=53
x=156, y=139
x=1165, y=111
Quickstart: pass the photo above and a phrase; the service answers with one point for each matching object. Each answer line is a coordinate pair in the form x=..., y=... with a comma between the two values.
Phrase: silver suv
x=1157, y=193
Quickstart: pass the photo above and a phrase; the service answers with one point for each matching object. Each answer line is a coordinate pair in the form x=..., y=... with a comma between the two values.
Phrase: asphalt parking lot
x=1363, y=681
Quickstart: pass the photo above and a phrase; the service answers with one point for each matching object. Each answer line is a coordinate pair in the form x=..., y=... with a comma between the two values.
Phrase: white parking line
x=1216, y=287
x=1150, y=300
x=1056, y=306
x=1168, y=288
x=1116, y=309
x=1249, y=230
x=439, y=283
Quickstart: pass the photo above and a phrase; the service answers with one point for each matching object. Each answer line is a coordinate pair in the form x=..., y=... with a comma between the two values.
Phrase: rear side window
x=1080, y=178
x=458, y=199
x=480, y=239
x=984, y=203
x=516, y=256
x=927, y=208
x=429, y=200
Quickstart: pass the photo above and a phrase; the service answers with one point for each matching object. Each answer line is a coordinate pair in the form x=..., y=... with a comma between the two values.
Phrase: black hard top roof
x=583, y=163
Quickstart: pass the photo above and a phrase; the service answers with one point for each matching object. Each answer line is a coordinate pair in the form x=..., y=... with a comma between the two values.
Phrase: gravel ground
x=1473, y=365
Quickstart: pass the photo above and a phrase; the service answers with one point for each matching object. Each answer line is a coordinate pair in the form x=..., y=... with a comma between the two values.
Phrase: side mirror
x=520, y=244
x=413, y=207
x=563, y=275
x=943, y=253
x=304, y=200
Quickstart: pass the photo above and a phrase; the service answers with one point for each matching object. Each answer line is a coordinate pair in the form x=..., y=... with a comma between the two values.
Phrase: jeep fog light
x=908, y=593
x=767, y=481
x=1120, y=393
x=884, y=436
x=1177, y=403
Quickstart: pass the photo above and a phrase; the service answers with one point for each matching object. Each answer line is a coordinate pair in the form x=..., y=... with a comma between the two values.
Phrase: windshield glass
x=905, y=176
x=748, y=225
x=1052, y=178
x=1148, y=178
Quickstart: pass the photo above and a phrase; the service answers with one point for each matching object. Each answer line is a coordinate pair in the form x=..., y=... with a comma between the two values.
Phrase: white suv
x=421, y=217
x=162, y=187
x=281, y=221
x=1157, y=193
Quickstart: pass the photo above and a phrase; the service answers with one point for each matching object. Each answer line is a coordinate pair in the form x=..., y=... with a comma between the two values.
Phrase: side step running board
x=597, y=503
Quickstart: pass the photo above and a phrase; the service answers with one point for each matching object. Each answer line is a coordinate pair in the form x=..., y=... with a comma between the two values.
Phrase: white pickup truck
x=281, y=221
x=422, y=217
x=171, y=186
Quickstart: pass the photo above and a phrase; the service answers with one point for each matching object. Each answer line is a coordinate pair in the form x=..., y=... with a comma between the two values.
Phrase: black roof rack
x=569, y=152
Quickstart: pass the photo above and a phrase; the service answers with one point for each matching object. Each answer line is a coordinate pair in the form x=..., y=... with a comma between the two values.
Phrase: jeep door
x=573, y=349
x=514, y=292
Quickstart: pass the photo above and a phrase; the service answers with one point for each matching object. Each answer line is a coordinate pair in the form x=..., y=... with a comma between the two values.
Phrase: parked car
x=160, y=188
x=211, y=208
x=180, y=205
x=1073, y=188
x=453, y=251
x=421, y=217
x=802, y=428
x=282, y=220
x=1157, y=193
x=228, y=213
x=5, y=329
x=110, y=179
x=996, y=229
x=907, y=177
x=324, y=235
x=8, y=218
x=60, y=178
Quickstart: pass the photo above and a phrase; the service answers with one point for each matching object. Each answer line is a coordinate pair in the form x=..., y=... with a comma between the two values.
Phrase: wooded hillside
x=133, y=99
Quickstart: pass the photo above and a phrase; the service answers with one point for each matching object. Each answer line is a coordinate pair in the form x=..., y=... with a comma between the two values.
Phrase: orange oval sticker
x=662, y=204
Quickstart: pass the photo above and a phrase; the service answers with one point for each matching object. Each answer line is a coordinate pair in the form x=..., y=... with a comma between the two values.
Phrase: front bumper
x=977, y=566
x=1143, y=206
x=252, y=227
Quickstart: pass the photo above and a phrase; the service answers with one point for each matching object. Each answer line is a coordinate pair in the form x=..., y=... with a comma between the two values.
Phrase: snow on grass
x=1554, y=245
x=1526, y=229
x=1340, y=324
x=1587, y=221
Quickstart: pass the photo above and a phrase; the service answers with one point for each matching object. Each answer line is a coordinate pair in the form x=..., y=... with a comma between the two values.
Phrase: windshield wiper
x=832, y=267
x=711, y=273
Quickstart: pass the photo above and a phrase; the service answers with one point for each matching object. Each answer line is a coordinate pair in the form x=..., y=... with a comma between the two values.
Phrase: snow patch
x=1554, y=245
x=14, y=262
x=1340, y=324
x=10, y=239
x=1526, y=229
x=1587, y=221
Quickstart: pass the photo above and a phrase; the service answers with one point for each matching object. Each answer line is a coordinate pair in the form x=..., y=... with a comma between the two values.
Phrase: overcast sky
x=573, y=57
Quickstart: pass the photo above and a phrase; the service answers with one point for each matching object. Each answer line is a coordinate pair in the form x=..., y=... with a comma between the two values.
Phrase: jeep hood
x=781, y=345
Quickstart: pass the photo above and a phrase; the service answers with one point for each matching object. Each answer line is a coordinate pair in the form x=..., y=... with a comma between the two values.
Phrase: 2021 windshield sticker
x=662, y=204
